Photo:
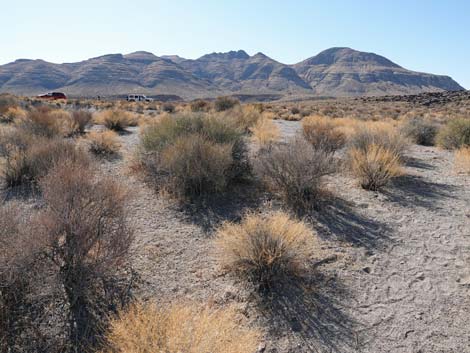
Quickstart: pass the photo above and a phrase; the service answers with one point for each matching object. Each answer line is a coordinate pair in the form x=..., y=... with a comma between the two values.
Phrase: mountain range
x=334, y=72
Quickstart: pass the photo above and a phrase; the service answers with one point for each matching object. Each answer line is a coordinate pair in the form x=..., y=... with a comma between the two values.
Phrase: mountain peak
x=239, y=54
x=141, y=56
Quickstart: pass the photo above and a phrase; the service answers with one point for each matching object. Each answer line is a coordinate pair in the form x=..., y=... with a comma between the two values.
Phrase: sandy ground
x=396, y=269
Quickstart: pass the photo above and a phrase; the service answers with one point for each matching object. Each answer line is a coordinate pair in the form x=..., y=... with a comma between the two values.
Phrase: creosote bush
x=265, y=249
x=225, y=103
x=168, y=108
x=420, y=131
x=322, y=134
x=189, y=155
x=455, y=134
x=374, y=166
x=103, y=142
x=295, y=171
x=180, y=327
x=81, y=119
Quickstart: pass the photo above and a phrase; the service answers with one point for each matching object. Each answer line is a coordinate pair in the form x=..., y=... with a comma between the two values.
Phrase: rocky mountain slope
x=333, y=72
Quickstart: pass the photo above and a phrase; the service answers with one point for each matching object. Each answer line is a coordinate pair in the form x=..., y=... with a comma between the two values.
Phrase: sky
x=429, y=36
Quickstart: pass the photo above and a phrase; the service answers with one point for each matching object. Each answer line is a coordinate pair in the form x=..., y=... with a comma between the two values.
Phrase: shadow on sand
x=311, y=311
x=210, y=212
x=340, y=219
x=412, y=191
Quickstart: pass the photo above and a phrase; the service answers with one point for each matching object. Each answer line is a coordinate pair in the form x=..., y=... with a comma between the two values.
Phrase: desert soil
x=396, y=269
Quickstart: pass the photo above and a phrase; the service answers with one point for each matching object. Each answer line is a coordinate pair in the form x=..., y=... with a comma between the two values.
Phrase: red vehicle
x=52, y=96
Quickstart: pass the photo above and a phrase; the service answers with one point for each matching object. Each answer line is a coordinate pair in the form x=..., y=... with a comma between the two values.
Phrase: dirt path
x=401, y=281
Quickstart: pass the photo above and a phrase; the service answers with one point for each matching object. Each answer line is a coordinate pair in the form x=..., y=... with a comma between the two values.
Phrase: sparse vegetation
x=225, y=103
x=420, y=131
x=103, y=143
x=199, y=105
x=191, y=155
x=266, y=249
x=455, y=134
x=116, y=120
x=295, y=171
x=181, y=327
x=265, y=132
x=462, y=160
x=322, y=134
x=168, y=108
x=374, y=165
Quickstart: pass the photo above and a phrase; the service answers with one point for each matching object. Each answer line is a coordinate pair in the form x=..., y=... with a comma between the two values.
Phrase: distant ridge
x=333, y=72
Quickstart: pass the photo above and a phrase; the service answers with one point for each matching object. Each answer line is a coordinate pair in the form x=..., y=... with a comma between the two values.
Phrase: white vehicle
x=138, y=98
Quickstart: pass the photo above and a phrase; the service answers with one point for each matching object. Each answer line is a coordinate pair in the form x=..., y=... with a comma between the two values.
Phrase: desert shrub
x=420, y=131
x=244, y=117
x=374, y=166
x=225, y=103
x=199, y=105
x=117, y=120
x=455, y=134
x=265, y=249
x=103, y=143
x=7, y=101
x=86, y=236
x=28, y=157
x=13, y=114
x=190, y=155
x=40, y=122
x=181, y=327
x=168, y=108
x=387, y=138
x=295, y=171
x=462, y=160
x=265, y=132
x=295, y=110
x=81, y=119
x=322, y=134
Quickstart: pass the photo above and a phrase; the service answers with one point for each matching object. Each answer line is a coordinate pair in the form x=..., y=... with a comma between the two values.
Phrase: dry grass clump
x=13, y=114
x=322, y=134
x=81, y=119
x=265, y=132
x=181, y=327
x=374, y=165
x=41, y=122
x=27, y=158
x=383, y=135
x=168, y=108
x=225, y=103
x=420, y=131
x=117, y=120
x=455, y=134
x=462, y=160
x=103, y=142
x=265, y=249
x=189, y=155
x=295, y=171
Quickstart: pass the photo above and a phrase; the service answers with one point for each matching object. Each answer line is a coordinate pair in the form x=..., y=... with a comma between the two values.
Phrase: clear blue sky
x=429, y=36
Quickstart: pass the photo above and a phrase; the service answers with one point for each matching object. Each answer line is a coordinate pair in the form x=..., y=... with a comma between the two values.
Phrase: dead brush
x=265, y=132
x=322, y=134
x=180, y=327
x=265, y=249
x=462, y=160
x=103, y=143
x=374, y=166
x=295, y=171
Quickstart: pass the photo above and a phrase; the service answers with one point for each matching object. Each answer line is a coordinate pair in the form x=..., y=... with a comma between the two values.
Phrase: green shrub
x=225, y=103
x=420, y=131
x=189, y=155
x=455, y=134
